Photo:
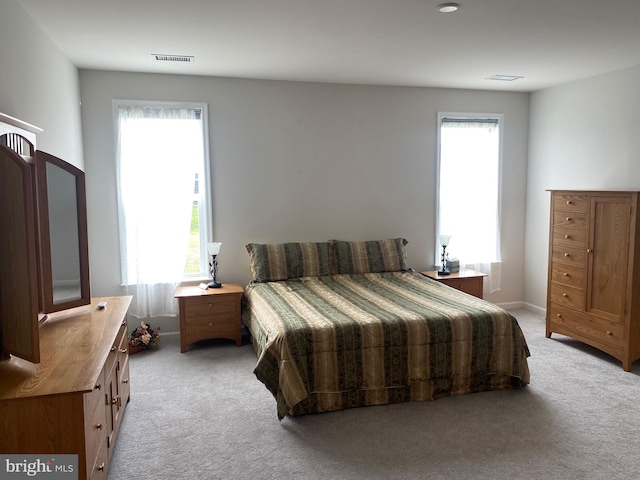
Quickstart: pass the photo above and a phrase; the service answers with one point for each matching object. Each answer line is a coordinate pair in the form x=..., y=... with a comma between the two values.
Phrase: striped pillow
x=273, y=262
x=370, y=256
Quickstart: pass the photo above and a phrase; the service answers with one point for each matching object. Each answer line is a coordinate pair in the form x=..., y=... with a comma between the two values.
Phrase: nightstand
x=466, y=280
x=211, y=313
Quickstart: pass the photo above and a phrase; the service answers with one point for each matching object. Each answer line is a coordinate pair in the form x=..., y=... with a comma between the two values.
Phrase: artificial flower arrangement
x=143, y=337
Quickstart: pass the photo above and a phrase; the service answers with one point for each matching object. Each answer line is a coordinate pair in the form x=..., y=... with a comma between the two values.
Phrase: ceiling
x=380, y=42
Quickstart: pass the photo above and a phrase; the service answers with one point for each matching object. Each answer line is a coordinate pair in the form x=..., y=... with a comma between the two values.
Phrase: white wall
x=583, y=135
x=295, y=161
x=38, y=84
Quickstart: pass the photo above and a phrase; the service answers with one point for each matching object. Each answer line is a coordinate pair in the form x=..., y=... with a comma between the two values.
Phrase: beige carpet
x=203, y=415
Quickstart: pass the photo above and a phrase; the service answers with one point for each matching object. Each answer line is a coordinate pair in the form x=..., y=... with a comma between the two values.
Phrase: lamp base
x=444, y=272
x=215, y=285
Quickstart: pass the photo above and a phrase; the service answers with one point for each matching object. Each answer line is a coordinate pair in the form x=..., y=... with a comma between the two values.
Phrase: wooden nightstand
x=469, y=281
x=212, y=313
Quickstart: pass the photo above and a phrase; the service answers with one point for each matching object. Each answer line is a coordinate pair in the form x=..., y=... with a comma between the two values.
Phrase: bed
x=344, y=324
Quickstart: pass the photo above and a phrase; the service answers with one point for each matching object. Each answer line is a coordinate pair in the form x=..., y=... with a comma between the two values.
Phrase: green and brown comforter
x=333, y=342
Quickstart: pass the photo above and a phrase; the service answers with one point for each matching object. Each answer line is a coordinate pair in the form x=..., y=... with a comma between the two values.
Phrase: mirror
x=64, y=258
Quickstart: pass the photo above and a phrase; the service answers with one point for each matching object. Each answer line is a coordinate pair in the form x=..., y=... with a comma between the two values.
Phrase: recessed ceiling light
x=504, y=78
x=448, y=7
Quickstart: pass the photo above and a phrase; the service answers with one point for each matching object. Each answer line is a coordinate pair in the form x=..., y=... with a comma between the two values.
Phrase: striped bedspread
x=340, y=341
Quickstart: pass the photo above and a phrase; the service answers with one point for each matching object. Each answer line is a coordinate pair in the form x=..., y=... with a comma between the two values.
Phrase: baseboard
x=525, y=305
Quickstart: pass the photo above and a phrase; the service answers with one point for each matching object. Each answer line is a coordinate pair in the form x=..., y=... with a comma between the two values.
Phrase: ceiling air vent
x=504, y=78
x=173, y=58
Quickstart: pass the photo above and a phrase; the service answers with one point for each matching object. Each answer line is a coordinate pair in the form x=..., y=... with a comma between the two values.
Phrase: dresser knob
x=568, y=219
x=565, y=274
x=123, y=350
x=567, y=255
x=98, y=386
x=99, y=426
x=558, y=315
x=113, y=349
x=565, y=295
x=589, y=250
x=101, y=467
x=126, y=380
x=569, y=202
x=567, y=236
x=114, y=400
x=609, y=333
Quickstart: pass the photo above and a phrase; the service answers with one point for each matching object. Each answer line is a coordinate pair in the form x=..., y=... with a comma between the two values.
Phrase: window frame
x=205, y=203
x=468, y=116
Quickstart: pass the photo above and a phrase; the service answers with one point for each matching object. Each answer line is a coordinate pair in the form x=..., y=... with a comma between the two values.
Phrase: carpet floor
x=203, y=415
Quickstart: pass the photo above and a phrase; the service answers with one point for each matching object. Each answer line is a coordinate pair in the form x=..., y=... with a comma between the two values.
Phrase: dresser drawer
x=570, y=219
x=600, y=333
x=572, y=237
x=571, y=203
x=568, y=255
x=208, y=306
x=571, y=275
x=568, y=296
x=95, y=430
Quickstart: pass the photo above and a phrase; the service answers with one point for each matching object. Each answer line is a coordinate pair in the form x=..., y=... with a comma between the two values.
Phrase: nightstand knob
x=567, y=236
x=569, y=202
x=565, y=295
x=565, y=274
x=568, y=219
x=609, y=333
x=558, y=315
x=567, y=255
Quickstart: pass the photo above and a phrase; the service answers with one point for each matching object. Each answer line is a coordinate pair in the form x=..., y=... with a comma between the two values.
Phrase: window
x=162, y=159
x=469, y=191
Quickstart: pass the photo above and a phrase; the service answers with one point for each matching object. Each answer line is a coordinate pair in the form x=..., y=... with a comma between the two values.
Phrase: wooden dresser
x=594, y=270
x=71, y=402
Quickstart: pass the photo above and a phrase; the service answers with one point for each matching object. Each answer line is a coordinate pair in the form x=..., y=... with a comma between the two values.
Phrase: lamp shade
x=214, y=248
x=444, y=239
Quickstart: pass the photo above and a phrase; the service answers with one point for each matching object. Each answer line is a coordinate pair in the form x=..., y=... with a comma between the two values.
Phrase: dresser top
x=74, y=345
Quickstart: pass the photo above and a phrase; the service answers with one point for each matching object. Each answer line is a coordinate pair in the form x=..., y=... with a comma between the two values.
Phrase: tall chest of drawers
x=594, y=270
x=71, y=402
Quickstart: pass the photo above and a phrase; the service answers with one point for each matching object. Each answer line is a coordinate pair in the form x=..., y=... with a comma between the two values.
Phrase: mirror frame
x=46, y=273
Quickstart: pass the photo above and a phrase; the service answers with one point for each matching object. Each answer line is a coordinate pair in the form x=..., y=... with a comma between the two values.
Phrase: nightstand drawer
x=207, y=306
x=220, y=326
x=472, y=286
